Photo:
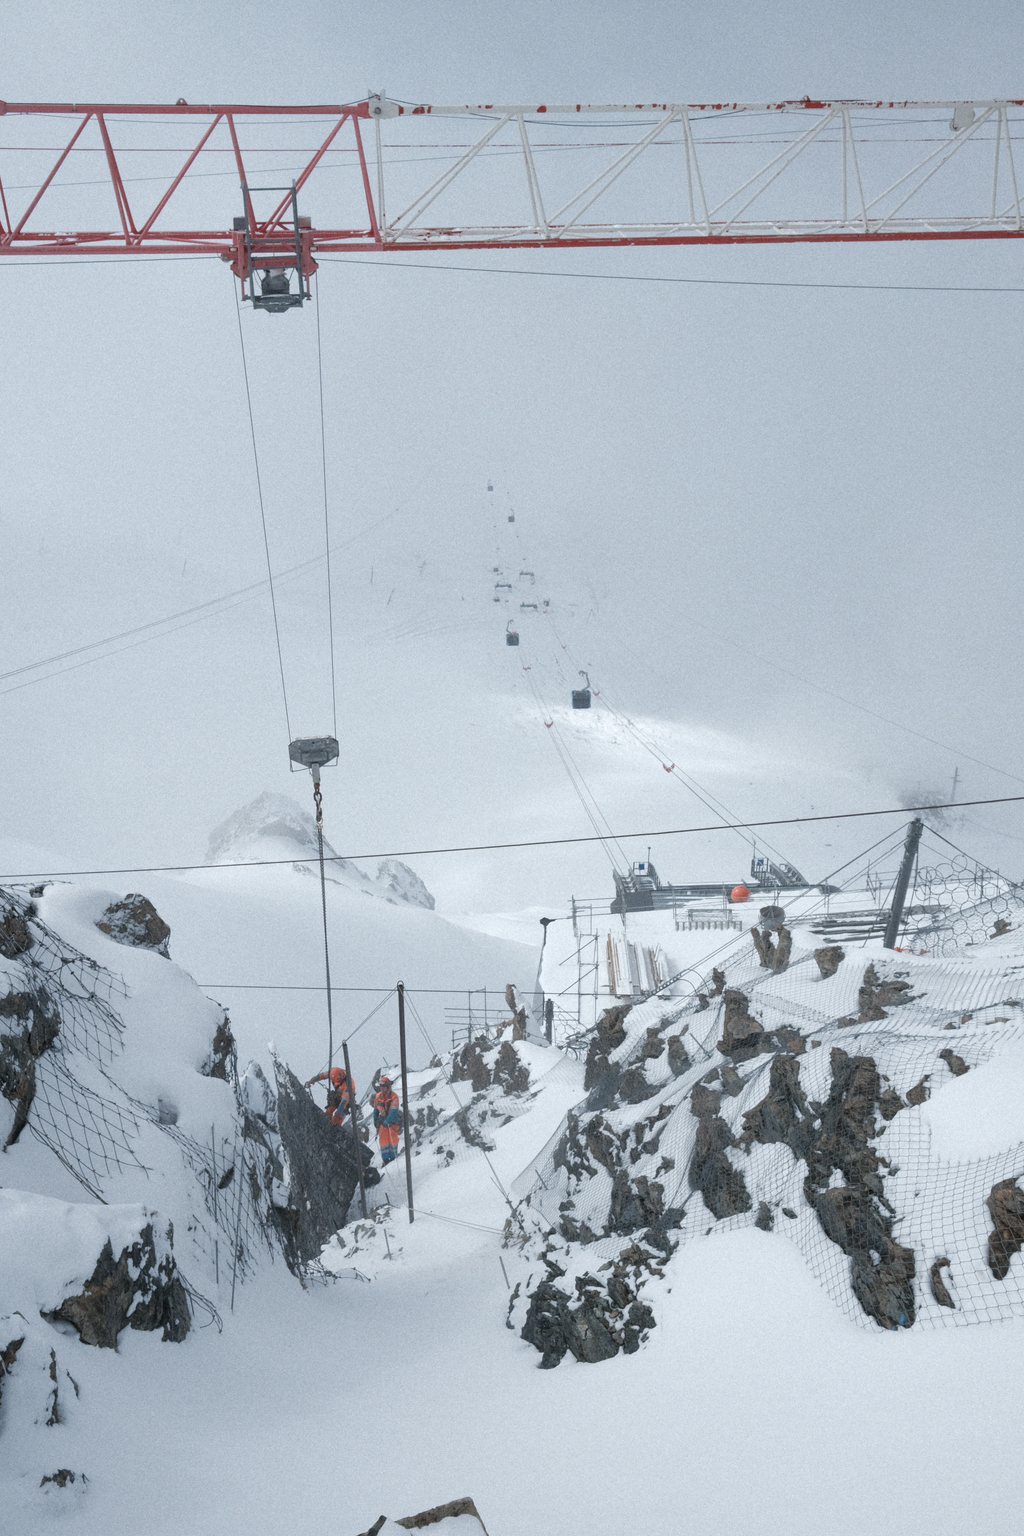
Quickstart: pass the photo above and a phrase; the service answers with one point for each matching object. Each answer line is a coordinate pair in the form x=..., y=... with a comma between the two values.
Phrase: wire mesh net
x=678, y=1139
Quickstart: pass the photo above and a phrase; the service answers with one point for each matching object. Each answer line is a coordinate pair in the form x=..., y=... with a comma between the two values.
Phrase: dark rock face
x=511, y=1074
x=722, y=1187
x=322, y=1169
x=470, y=1067
x=678, y=1060
x=610, y=1035
x=135, y=921
x=829, y=958
x=15, y=935
x=633, y=1085
x=29, y=1025
x=223, y=1057
x=765, y=1218
x=955, y=1063
x=635, y=1204
x=782, y=1114
x=556, y=1328
x=8, y=1355
x=889, y=1104
x=857, y=1215
x=1006, y=1207
x=136, y=1290
x=742, y=1036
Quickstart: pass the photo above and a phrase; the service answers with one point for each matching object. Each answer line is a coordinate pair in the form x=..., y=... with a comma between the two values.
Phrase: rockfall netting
x=790, y=1099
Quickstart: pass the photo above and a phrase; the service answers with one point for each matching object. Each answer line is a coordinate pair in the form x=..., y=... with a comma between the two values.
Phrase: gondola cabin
x=511, y=635
x=581, y=696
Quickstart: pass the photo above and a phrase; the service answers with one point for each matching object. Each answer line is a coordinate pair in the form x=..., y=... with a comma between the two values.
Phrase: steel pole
x=406, y=1119
x=353, y=1110
x=899, y=895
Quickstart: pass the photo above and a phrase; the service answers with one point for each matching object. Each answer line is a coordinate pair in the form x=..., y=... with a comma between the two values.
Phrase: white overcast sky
x=744, y=501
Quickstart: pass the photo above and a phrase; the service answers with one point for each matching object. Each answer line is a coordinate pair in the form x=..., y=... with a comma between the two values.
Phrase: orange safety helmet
x=337, y=1077
x=385, y=1082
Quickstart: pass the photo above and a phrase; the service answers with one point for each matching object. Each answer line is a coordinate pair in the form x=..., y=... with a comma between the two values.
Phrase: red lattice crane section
x=265, y=186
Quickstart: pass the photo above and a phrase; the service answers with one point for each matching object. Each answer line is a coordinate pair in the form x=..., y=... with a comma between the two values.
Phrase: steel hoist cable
x=263, y=519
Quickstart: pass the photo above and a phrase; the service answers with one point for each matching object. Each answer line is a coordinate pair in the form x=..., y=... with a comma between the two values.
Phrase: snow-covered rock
x=800, y=1101
x=277, y=827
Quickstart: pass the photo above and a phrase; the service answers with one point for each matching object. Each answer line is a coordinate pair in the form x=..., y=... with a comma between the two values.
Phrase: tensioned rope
x=535, y=842
x=263, y=517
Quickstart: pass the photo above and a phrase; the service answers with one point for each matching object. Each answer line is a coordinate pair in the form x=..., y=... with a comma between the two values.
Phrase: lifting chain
x=318, y=802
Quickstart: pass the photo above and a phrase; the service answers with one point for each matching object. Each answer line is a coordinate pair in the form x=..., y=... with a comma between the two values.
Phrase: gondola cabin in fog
x=581, y=696
x=511, y=635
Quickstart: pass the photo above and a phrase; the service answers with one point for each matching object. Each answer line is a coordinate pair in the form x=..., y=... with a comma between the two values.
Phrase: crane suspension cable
x=263, y=519
x=327, y=526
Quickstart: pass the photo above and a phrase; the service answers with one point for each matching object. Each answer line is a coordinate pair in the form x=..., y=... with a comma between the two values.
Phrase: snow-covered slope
x=407, y=1376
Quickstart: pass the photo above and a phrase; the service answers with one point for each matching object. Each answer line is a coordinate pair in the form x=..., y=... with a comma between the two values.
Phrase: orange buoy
x=739, y=893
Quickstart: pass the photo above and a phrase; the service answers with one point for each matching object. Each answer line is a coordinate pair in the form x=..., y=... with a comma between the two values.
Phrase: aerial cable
x=263, y=520
x=535, y=842
x=579, y=783
x=327, y=526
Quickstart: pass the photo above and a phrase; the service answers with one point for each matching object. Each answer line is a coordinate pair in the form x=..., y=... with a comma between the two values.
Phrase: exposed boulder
x=1006, y=1207
x=29, y=1026
x=678, y=1059
x=555, y=1328
x=829, y=958
x=955, y=1063
x=511, y=1073
x=939, y=1290
x=135, y=921
x=469, y=1066
x=140, y=1289
x=742, y=1036
x=874, y=996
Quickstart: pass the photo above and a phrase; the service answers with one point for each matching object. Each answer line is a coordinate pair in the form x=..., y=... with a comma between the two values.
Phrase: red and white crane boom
x=523, y=176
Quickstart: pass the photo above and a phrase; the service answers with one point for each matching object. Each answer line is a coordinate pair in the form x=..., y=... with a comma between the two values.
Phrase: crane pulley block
x=313, y=752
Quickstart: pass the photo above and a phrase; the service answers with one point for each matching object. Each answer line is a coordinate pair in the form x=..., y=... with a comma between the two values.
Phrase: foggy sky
x=723, y=490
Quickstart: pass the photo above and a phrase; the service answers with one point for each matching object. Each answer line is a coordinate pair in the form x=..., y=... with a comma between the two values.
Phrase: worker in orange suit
x=339, y=1094
x=387, y=1120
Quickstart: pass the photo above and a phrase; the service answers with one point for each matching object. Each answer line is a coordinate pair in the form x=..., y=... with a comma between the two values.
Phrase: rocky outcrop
x=856, y=1214
x=607, y=1319
x=320, y=1172
x=139, y=1289
x=782, y=1115
x=609, y=1035
x=135, y=921
x=29, y=1026
x=955, y=1063
x=223, y=1061
x=773, y=954
x=1006, y=1207
x=742, y=1036
x=15, y=934
x=939, y=1290
x=874, y=996
x=722, y=1187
